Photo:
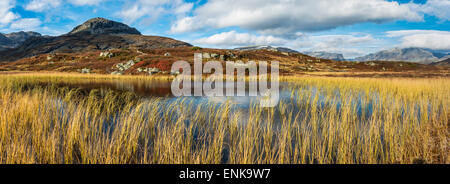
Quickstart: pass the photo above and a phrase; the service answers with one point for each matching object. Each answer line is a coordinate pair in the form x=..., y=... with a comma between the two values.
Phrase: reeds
x=324, y=120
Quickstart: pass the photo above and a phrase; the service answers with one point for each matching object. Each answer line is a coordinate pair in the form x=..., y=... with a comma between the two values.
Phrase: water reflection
x=295, y=97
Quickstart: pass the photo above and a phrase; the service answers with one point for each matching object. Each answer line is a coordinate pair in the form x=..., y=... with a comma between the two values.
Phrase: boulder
x=214, y=55
x=153, y=70
x=106, y=54
x=172, y=72
x=125, y=66
x=85, y=70
x=206, y=55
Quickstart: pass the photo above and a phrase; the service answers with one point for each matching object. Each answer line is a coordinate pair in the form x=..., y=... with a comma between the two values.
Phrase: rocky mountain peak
x=13, y=40
x=22, y=36
x=103, y=26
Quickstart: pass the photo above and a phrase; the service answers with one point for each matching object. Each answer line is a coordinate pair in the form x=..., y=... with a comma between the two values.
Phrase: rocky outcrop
x=326, y=55
x=106, y=54
x=125, y=66
x=103, y=26
x=85, y=70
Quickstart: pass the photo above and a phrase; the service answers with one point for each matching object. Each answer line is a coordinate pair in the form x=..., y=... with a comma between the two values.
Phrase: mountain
x=445, y=57
x=445, y=62
x=99, y=25
x=266, y=47
x=416, y=55
x=5, y=42
x=20, y=37
x=94, y=34
x=327, y=55
x=13, y=40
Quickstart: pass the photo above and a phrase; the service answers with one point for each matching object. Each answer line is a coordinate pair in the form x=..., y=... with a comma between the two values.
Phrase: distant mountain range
x=326, y=55
x=322, y=55
x=94, y=34
x=267, y=47
x=416, y=55
x=13, y=40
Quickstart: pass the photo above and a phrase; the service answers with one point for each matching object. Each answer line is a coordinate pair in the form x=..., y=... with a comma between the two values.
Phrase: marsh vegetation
x=318, y=120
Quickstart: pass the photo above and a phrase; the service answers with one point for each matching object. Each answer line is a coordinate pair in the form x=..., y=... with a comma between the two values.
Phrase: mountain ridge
x=103, y=26
x=445, y=62
x=94, y=34
x=15, y=39
x=411, y=54
x=266, y=47
x=326, y=55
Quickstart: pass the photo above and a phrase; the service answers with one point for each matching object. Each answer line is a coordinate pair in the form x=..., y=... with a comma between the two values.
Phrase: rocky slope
x=416, y=55
x=13, y=40
x=94, y=34
x=5, y=42
x=97, y=26
x=326, y=55
x=445, y=62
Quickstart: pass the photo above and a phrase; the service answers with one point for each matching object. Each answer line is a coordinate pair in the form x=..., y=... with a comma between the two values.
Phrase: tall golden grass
x=353, y=120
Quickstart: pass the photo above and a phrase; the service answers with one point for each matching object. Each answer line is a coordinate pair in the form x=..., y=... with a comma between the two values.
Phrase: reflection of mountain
x=326, y=55
x=94, y=34
x=416, y=55
x=266, y=47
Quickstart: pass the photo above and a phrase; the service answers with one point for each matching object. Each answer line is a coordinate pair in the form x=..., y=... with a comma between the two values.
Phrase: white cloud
x=184, y=8
x=350, y=45
x=430, y=39
x=287, y=17
x=26, y=24
x=437, y=8
x=186, y=24
x=42, y=5
x=233, y=39
x=152, y=9
x=6, y=16
x=85, y=2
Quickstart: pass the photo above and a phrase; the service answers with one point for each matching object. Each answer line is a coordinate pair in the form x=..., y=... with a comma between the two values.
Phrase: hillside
x=13, y=40
x=93, y=35
x=160, y=60
x=445, y=62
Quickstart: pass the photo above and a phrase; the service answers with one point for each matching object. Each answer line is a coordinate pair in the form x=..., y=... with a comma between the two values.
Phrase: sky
x=351, y=27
